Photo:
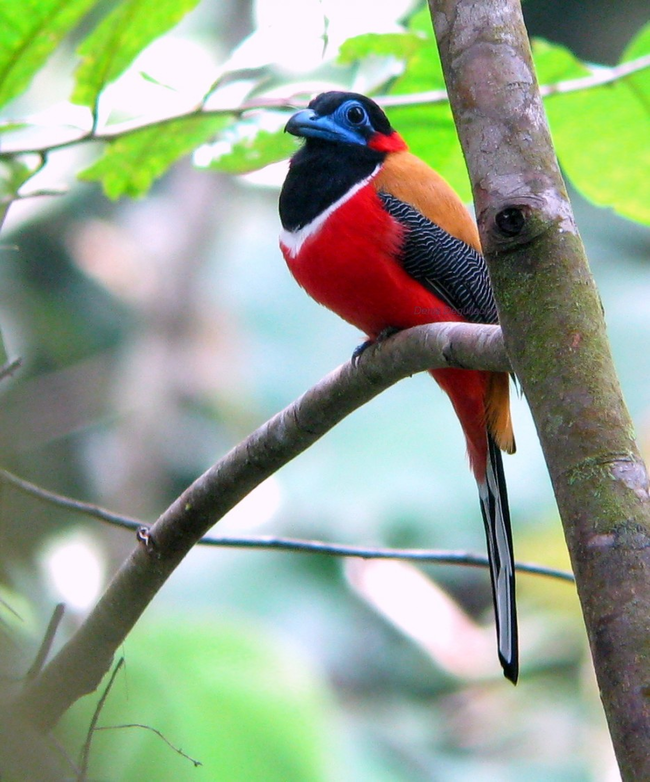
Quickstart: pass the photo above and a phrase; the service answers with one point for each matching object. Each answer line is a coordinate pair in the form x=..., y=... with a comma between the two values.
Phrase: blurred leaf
x=254, y=153
x=113, y=45
x=152, y=80
x=133, y=162
x=30, y=30
x=600, y=134
x=429, y=130
x=420, y=21
x=602, y=145
x=431, y=134
x=639, y=82
x=13, y=174
x=638, y=47
x=417, y=48
x=423, y=72
x=11, y=127
x=400, y=45
x=229, y=696
x=554, y=63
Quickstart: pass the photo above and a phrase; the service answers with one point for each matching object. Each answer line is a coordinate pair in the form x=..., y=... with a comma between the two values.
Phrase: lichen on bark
x=555, y=335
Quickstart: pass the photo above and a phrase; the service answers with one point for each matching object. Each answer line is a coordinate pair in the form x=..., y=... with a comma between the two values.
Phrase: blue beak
x=309, y=124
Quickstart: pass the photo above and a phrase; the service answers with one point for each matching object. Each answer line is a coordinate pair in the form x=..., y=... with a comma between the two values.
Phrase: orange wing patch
x=414, y=182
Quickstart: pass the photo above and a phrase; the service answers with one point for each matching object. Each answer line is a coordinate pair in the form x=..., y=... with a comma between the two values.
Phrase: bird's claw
x=383, y=335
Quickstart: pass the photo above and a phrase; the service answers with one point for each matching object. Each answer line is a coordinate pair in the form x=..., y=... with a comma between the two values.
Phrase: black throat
x=319, y=174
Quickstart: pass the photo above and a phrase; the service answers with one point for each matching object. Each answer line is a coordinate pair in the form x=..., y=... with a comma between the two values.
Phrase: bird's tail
x=496, y=517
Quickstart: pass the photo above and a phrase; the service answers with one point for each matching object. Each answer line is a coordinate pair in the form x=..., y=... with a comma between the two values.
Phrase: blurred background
x=155, y=335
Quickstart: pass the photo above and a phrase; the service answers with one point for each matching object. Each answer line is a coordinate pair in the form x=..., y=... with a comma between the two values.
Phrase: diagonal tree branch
x=80, y=665
x=553, y=326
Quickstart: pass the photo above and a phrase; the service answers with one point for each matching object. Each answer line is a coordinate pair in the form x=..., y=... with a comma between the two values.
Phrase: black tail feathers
x=496, y=517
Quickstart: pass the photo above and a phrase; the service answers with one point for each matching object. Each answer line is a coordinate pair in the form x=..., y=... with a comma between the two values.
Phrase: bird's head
x=346, y=118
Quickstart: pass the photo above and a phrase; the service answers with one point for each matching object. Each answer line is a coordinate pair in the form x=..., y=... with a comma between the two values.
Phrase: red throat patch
x=383, y=143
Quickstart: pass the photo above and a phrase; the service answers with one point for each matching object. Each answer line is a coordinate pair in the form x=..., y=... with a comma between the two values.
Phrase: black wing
x=449, y=268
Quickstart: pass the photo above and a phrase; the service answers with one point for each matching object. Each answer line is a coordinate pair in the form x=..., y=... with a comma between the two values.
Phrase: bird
x=376, y=235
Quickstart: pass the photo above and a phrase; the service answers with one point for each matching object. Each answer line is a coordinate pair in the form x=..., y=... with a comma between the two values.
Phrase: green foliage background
x=132, y=162
x=156, y=333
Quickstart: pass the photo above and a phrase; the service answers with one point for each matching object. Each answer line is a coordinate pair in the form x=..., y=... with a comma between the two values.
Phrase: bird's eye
x=355, y=115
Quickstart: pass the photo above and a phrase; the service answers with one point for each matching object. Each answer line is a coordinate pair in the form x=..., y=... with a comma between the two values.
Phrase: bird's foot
x=383, y=335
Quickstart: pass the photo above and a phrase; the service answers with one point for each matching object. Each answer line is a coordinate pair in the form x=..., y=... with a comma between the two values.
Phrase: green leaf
x=12, y=127
x=30, y=30
x=431, y=135
x=134, y=161
x=638, y=46
x=399, y=45
x=423, y=72
x=254, y=153
x=429, y=130
x=639, y=82
x=554, y=63
x=419, y=53
x=602, y=145
x=247, y=708
x=600, y=136
x=119, y=38
x=420, y=22
x=14, y=172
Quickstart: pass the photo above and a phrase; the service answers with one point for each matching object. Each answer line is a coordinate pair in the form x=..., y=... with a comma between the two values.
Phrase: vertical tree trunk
x=554, y=331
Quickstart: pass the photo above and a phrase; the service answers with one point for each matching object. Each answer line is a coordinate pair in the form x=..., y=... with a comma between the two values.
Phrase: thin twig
x=8, y=369
x=85, y=751
x=78, y=506
x=597, y=77
x=300, y=99
x=433, y=556
x=278, y=543
x=11, y=610
x=46, y=644
x=43, y=193
x=158, y=733
x=63, y=752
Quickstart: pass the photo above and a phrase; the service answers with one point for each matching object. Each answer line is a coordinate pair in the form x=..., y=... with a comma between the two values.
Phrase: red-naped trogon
x=373, y=233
